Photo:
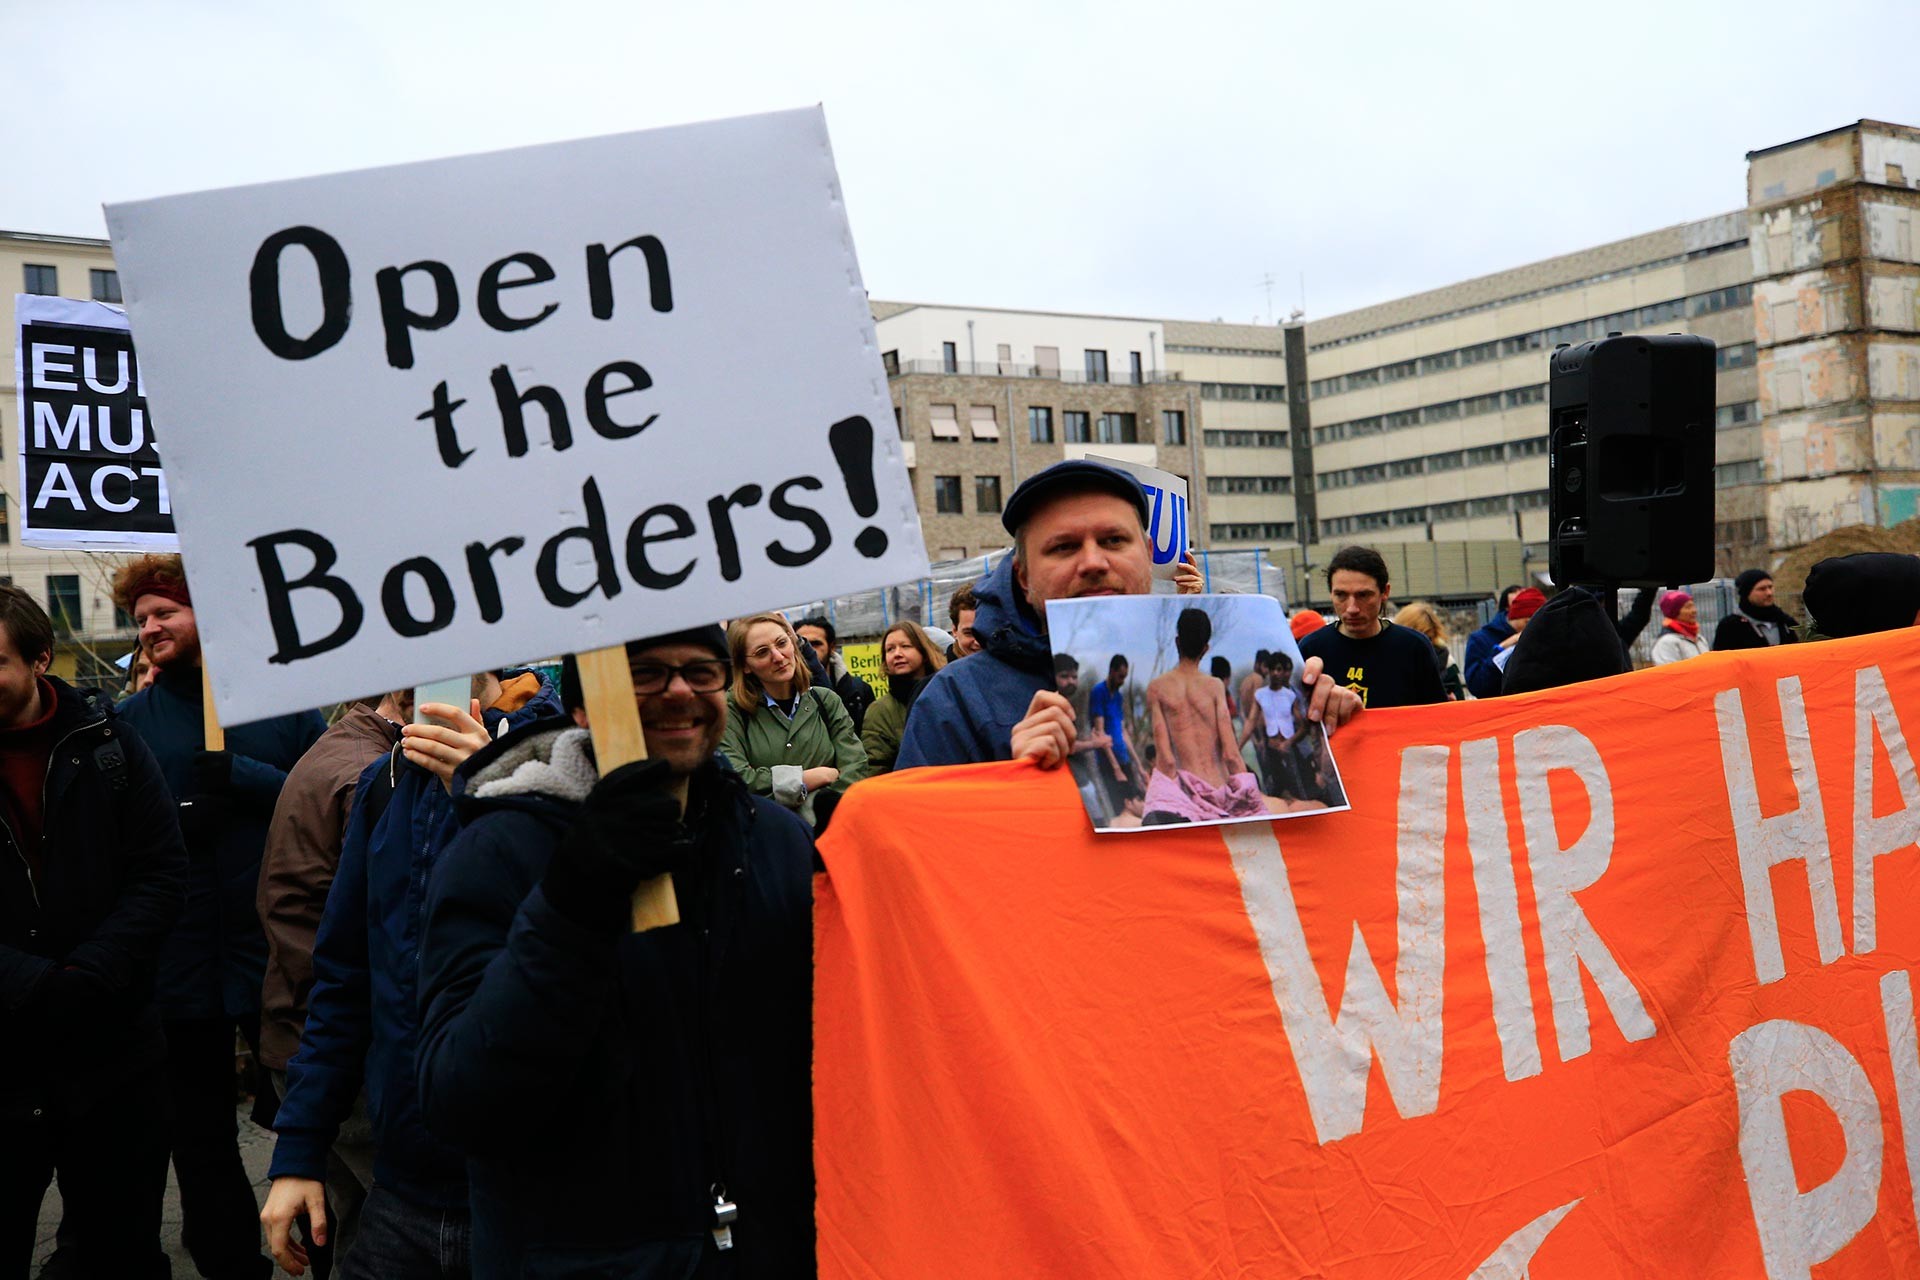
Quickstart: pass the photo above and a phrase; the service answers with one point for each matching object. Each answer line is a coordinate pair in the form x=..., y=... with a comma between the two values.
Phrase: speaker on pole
x=1630, y=461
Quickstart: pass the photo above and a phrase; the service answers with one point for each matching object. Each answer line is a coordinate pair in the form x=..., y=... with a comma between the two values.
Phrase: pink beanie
x=1673, y=602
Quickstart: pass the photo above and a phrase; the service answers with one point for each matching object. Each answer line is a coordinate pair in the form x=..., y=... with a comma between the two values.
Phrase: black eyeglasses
x=709, y=675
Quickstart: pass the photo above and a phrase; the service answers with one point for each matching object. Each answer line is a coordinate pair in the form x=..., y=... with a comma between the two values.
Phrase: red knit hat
x=1525, y=604
x=1305, y=623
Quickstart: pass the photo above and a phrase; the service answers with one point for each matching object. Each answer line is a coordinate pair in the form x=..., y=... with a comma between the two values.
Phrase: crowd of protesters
x=417, y=921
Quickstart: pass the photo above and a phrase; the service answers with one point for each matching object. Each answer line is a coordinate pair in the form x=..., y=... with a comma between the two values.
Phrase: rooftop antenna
x=1266, y=282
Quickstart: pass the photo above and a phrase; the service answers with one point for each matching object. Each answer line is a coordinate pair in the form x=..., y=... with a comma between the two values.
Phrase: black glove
x=202, y=820
x=628, y=830
x=75, y=1000
x=211, y=772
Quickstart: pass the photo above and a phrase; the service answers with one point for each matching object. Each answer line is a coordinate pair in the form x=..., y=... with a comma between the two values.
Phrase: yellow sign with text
x=864, y=661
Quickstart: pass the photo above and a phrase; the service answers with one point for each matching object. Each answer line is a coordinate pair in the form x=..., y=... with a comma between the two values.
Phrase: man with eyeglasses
x=631, y=1104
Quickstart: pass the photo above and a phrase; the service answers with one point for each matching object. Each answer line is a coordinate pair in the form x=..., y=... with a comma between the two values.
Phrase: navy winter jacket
x=966, y=713
x=608, y=1085
x=112, y=878
x=363, y=1021
x=213, y=962
x=1483, y=678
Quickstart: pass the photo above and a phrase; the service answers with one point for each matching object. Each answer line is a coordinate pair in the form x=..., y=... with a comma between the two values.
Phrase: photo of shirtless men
x=1186, y=711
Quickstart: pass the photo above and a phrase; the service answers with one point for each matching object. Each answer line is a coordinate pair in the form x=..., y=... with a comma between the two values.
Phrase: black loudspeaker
x=1630, y=467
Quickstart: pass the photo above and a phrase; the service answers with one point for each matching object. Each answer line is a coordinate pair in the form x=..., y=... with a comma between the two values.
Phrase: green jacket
x=771, y=752
x=885, y=725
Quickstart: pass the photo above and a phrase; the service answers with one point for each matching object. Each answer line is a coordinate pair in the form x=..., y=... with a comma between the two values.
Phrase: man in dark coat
x=1861, y=594
x=631, y=1104
x=210, y=971
x=364, y=1027
x=1758, y=622
x=91, y=881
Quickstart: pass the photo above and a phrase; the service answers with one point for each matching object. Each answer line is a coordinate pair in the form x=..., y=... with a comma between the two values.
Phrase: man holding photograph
x=1079, y=530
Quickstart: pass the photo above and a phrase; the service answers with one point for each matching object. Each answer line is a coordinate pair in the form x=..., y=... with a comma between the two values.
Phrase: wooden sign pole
x=216, y=737
x=606, y=687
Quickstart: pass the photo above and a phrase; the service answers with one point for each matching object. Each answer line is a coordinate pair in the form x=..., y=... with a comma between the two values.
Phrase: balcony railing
x=1008, y=369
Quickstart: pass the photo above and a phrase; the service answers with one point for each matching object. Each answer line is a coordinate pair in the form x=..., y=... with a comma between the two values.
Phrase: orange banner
x=1608, y=981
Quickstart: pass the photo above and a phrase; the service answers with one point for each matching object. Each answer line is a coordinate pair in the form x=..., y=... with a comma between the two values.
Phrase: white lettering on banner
x=1491, y=847
x=1875, y=838
x=1334, y=1055
x=1567, y=936
x=75, y=433
x=44, y=367
x=1903, y=1047
x=136, y=431
x=1799, y=834
x=1799, y=1229
x=89, y=362
x=59, y=485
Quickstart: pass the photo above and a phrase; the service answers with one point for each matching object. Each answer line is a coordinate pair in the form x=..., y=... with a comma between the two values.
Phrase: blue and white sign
x=1166, y=512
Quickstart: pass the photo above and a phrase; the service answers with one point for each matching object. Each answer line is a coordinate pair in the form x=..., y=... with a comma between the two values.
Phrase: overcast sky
x=1137, y=159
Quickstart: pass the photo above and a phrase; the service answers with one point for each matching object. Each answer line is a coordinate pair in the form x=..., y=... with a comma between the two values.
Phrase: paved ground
x=256, y=1148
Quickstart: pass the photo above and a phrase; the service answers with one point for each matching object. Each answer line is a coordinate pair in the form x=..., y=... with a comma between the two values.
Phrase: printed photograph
x=1189, y=710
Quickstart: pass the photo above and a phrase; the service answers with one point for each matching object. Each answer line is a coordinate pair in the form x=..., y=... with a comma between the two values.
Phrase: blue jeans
x=400, y=1240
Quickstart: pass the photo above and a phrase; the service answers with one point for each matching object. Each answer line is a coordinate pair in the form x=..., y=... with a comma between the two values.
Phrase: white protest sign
x=441, y=417
x=90, y=477
x=1166, y=511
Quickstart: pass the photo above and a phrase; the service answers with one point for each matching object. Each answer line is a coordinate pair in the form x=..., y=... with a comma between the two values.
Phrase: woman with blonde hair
x=1420, y=616
x=788, y=740
x=910, y=657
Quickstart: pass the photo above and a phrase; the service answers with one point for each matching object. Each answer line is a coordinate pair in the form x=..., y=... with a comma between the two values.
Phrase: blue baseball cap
x=1076, y=475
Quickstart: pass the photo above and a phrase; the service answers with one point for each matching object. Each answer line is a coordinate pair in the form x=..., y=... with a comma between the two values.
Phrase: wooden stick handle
x=216, y=737
x=606, y=687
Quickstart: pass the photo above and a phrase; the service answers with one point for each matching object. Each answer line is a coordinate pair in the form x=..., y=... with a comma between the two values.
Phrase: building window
x=1139, y=373
x=945, y=421
x=1173, y=426
x=1078, y=426
x=890, y=361
x=986, y=495
x=5, y=534
x=946, y=495
x=949, y=358
x=1732, y=415
x=1096, y=366
x=63, y=602
x=41, y=279
x=1119, y=428
x=105, y=285
x=899, y=422
x=1245, y=439
x=985, y=426
x=1040, y=424
x=122, y=620
x=1737, y=356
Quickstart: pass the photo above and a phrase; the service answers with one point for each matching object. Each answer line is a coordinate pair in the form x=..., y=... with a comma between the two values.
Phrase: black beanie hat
x=712, y=636
x=1860, y=594
x=1570, y=639
x=1744, y=584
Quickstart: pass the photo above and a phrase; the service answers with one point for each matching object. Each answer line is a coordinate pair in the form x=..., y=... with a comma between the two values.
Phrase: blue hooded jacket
x=966, y=713
x=1483, y=646
x=364, y=1023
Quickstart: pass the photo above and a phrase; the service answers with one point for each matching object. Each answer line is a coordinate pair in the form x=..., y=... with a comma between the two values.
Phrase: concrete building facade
x=74, y=586
x=1835, y=237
